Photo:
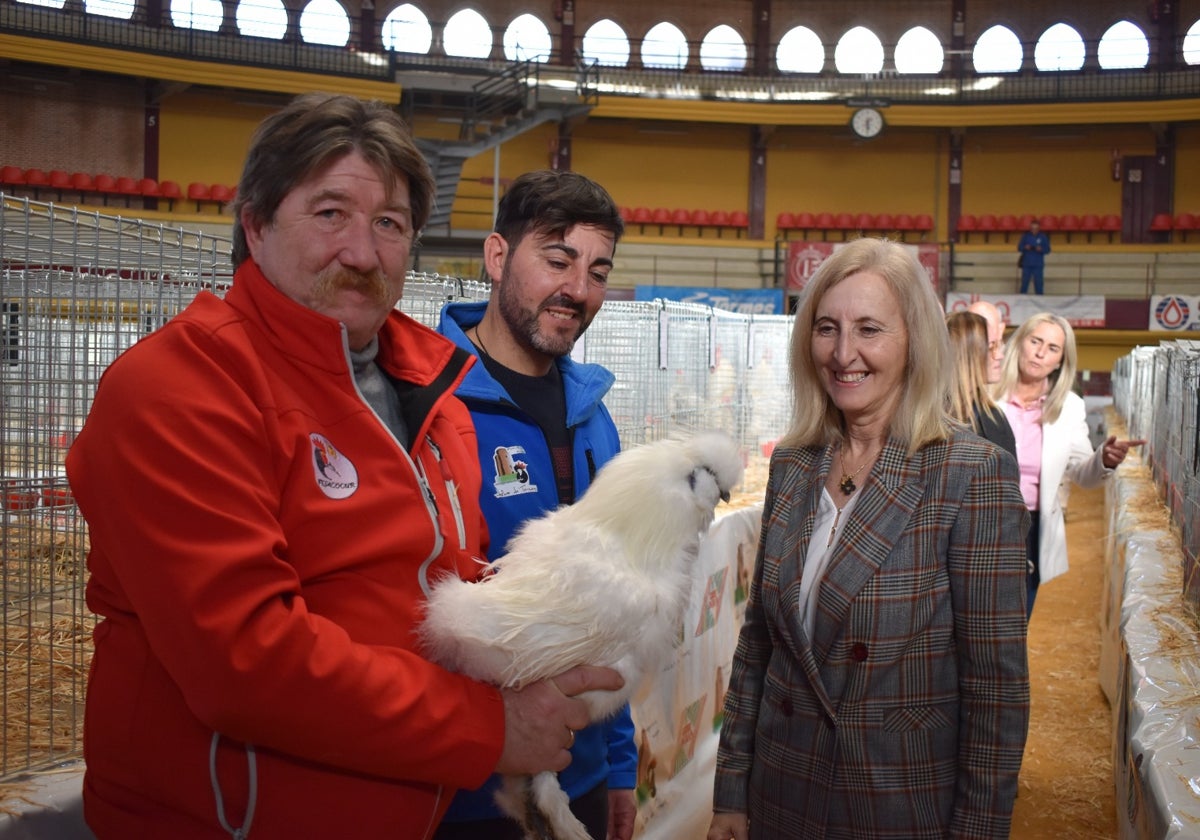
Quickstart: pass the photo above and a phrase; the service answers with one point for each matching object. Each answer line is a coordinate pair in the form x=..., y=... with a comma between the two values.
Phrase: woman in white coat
x=1049, y=421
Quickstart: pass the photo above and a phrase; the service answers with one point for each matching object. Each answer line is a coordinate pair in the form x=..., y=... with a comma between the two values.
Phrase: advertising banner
x=1082, y=311
x=1174, y=313
x=804, y=257
x=745, y=301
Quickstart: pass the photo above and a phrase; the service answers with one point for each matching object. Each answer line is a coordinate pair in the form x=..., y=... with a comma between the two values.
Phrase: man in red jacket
x=271, y=481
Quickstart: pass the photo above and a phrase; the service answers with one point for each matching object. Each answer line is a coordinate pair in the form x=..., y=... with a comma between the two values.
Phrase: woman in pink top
x=1049, y=421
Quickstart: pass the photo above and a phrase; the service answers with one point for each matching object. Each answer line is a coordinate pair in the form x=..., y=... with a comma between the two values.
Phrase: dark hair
x=550, y=201
x=313, y=131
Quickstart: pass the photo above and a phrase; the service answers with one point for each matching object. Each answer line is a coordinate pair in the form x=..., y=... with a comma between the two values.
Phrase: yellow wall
x=204, y=138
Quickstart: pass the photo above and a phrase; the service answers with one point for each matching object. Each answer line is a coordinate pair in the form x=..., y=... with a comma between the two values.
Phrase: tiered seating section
x=661, y=221
x=848, y=225
x=983, y=227
x=85, y=188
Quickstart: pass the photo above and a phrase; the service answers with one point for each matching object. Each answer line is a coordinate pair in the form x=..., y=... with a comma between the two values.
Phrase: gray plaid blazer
x=905, y=715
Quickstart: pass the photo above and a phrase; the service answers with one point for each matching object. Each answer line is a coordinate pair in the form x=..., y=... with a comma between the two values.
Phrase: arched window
x=859, y=51
x=723, y=49
x=1124, y=46
x=1191, y=44
x=800, y=51
x=325, y=22
x=606, y=43
x=527, y=39
x=122, y=9
x=665, y=46
x=468, y=35
x=1059, y=48
x=52, y=4
x=406, y=29
x=998, y=50
x=262, y=19
x=919, y=51
x=204, y=15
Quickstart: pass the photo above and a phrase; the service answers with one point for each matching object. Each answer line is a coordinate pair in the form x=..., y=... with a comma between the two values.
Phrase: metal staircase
x=501, y=107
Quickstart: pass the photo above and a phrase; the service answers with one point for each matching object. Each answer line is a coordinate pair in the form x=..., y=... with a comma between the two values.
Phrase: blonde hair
x=969, y=351
x=1061, y=380
x=921, y=414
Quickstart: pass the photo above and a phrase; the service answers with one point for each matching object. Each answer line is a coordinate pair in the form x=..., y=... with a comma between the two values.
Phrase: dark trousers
x=1034, y=574
x=1034, y=272
x=591, y=809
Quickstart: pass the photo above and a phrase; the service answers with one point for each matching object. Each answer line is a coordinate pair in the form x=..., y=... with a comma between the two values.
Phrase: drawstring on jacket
x=243, y=831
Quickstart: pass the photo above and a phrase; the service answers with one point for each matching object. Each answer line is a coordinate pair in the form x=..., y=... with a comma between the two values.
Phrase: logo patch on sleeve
x=335, y=475
x=512, y=472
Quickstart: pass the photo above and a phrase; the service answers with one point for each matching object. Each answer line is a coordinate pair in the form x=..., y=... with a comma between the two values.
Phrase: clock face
x=867, y=122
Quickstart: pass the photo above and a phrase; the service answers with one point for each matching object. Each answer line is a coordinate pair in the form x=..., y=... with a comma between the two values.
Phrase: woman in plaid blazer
x=880, y=686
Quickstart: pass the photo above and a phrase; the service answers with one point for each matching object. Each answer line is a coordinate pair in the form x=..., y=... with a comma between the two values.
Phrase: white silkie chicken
x=602, y=582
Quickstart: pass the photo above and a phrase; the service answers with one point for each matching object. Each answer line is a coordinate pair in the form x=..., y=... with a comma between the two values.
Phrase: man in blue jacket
x=1034, y=246
x=543, y=433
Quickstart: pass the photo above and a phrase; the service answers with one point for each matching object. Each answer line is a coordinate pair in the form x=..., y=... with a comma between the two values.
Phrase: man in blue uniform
x=543, y=433
x=1034, y=246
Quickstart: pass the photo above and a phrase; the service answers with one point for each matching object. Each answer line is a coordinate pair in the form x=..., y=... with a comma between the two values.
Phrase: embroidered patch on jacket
x=512, y=472
x=336, y=476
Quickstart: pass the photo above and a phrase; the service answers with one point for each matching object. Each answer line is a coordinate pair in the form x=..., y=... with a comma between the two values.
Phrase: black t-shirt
x=545, y=401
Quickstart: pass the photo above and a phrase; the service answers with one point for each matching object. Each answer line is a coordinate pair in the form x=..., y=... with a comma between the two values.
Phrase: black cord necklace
x=479, y=342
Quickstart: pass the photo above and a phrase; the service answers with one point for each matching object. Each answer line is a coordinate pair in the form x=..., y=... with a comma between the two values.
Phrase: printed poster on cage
x=677, y=713
x=1175, y=313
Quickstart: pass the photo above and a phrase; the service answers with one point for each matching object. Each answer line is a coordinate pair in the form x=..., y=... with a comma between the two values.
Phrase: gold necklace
x=847, y=485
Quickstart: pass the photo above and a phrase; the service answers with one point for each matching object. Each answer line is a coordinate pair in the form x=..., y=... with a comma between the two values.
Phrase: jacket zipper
x=451, y=492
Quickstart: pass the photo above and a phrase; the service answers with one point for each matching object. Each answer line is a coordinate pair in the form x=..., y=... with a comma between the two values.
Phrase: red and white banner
x=804, y=258
x=1175, y=313
x=1082, y=311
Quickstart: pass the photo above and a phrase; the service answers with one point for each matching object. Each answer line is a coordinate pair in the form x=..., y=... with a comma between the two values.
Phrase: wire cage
x=77, y=288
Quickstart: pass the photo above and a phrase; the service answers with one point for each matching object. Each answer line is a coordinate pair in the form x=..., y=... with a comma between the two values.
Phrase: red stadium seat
x=739, y=220
x=60, y=181
x=1089, y=223
x=37, y=179
x=221, y=193
x=170, y=191
x=681, y=218
x=11, y=176
x=967, y=224
x=1008, y=224
x=884, y=223
x=701, y=219
x=785, y=223
x=988, y=225
x=923, y=223
x=864, y=223
x=198, y=192
x=661, y=216
x=1186, y=223
x=1069, y=223
x=824, y=222
x=1048, y=223
x=148, y=188
x=641, y=218
x=720, y=220
x=1111, y=224
x=1162, y=224
x=82, y=182
x=626, y=214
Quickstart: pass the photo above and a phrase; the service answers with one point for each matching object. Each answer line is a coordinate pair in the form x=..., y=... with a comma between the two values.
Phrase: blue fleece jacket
x=605, y=751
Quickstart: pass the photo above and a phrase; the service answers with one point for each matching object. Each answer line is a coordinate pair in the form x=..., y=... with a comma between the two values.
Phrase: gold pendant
x=847, y=485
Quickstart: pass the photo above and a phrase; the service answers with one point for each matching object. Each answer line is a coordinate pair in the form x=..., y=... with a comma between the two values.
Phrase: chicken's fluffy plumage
x=602, y=582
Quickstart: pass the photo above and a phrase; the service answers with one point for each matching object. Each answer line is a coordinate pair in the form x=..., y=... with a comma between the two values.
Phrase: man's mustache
x=372, y=284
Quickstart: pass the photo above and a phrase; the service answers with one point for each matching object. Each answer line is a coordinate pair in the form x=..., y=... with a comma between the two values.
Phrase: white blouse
x=829, y=524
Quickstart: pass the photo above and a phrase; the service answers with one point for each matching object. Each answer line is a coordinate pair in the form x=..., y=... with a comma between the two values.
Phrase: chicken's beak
x=725, y=495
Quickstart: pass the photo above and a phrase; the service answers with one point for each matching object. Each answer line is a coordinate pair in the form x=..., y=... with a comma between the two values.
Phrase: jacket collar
x=408, y=350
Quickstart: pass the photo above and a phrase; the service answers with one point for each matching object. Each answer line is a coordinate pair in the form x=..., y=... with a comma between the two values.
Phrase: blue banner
x=744, y=301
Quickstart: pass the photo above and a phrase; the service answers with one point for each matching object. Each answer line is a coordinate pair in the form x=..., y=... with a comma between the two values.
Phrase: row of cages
x=1158, y=390
x=78, y=288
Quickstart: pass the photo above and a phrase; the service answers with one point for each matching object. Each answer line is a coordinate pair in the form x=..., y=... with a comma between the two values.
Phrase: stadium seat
x=170, y=191
x=59, y=181
x=1048, y=223
x=805, y=222
x=221, y=193
x=923, y=224
x=884, y=223
x=1162, y=224
x=681, y=218
x=148, y=188
x=739, y=220
x=127, y=187
x=627, y=215
x=661, y=216
x=1008, y=224
x=36, y=179
x=988, y=225
x=1069, y=224
x=82, y=182
x=967, y=224
x=1089, y=223
x=864, y=223
x=198, y=192
x=824, y=222
x=845, y=223
x=701, y=219
x=1186, y=223
x=903, y=222
x=1111, y=224
x=12, y=176
x=785, y=223
x=720, y=220
x=641, y=218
